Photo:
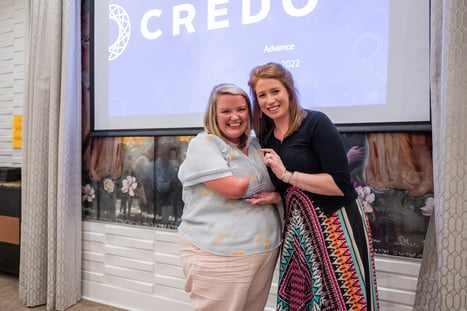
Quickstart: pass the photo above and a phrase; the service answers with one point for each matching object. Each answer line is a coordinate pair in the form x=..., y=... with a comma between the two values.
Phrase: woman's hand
x=322, y=183
x=265, y=198
x=356, y=153
x=273, y=160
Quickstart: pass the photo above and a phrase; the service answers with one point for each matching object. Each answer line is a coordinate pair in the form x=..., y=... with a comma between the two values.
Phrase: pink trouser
x=226, y=283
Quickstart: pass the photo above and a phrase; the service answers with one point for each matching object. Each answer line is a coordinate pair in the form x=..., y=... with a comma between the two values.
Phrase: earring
x=260, y=114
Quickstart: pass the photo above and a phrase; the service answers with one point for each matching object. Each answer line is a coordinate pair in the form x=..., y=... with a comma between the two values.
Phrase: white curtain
x=50, y=261
x=442, y=284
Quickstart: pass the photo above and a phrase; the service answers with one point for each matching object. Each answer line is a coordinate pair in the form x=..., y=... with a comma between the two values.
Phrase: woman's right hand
x=265, y=198
x=274, y=161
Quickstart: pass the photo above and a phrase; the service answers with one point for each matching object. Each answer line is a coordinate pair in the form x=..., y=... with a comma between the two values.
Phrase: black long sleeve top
x=316, y=147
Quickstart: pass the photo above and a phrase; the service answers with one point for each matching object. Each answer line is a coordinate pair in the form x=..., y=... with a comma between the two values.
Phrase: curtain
x=443, y=273
x=50, y=261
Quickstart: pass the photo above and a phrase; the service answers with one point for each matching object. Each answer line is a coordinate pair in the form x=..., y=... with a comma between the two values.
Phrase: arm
x=205, y=164
x=317, y=183
x=230, y=187
x=322, y=183
x=323, y=166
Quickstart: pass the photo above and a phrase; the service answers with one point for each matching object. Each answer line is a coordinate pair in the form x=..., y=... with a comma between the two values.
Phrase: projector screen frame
x=181, y=131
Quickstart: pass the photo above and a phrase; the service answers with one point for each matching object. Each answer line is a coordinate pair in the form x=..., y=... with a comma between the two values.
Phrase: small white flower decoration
x=109, y=185
x=427, y=210
x=88, y=193
x=367, y=197
x=129, y=185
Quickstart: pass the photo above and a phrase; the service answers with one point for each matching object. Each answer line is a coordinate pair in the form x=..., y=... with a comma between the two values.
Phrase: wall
x=12, y=29
x=138, y=268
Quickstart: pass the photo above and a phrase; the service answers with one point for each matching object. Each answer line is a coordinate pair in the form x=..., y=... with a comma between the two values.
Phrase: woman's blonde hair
x=264, y=126
x=210, y=118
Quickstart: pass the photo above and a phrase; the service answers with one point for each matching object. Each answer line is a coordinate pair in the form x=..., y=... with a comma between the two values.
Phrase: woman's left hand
x=274, y=161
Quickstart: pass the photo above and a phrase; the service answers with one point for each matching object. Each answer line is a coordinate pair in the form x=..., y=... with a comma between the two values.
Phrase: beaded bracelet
x=296, y=178
x=287, y=176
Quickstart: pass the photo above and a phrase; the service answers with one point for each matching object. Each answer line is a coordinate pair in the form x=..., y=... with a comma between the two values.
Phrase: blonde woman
x=229, y=247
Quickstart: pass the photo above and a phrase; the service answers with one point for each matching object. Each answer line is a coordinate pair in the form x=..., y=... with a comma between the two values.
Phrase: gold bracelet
x=287, y=176
x=296, y=178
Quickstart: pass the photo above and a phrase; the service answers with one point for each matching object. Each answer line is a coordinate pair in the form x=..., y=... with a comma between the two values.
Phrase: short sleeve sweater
x=225, y=226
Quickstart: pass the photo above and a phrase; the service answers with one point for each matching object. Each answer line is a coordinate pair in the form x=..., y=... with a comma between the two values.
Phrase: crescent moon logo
x=121, y=18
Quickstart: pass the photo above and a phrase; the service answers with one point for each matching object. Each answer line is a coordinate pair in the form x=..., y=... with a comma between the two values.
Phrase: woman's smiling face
x=232, y=116
x=272, y=98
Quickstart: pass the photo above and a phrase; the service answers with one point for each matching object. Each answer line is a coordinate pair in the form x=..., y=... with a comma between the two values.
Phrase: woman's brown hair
x=264, y=126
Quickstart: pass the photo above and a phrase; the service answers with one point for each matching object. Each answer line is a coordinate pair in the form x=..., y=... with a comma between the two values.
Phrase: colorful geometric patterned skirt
x=325, y=263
